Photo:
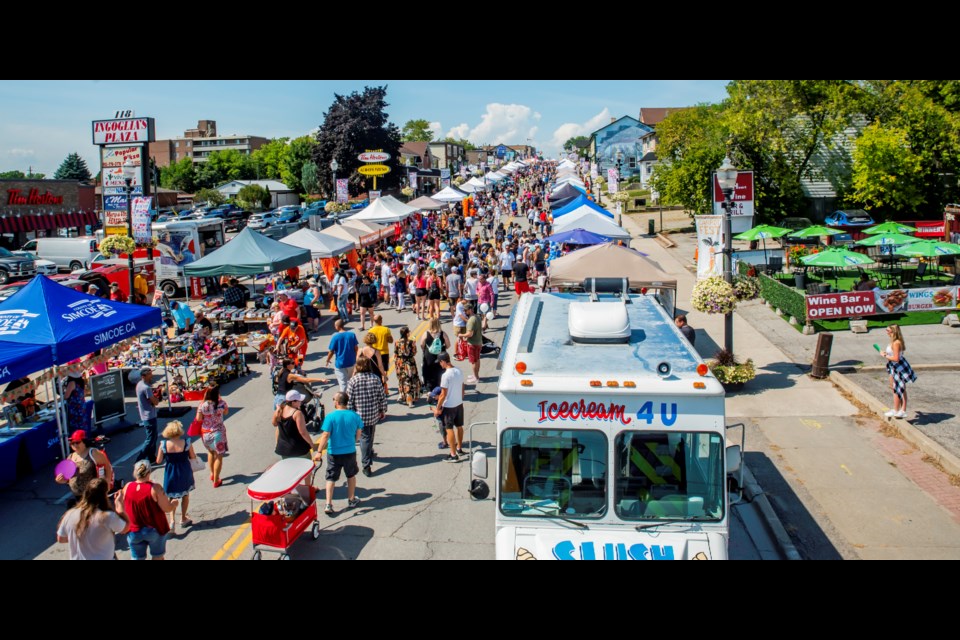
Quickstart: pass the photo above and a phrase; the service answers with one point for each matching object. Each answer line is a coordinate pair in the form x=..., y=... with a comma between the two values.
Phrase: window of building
x=633, y=162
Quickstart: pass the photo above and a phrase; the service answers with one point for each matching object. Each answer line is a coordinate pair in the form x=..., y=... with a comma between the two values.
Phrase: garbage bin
x=650, y=227
x=821, y=358
x=800, y=279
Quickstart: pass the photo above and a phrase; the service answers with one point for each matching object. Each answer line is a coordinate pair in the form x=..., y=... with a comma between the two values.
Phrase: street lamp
x=727, y=177
x=129, y=172
x=333, y=167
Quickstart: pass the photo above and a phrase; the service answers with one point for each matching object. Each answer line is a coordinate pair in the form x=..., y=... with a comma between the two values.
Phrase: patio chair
x=917, y=275
x=775, y=265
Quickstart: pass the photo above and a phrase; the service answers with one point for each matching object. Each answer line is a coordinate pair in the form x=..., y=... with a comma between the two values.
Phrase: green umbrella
x=928, y=249
x=835, y=257
x=815, y=231
x=762, y=232
x=886, y=239
x=889, y=227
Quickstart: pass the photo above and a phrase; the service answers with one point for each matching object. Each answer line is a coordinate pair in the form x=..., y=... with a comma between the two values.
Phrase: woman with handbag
x=433, y=342
x=210, y=415
x=178, y=473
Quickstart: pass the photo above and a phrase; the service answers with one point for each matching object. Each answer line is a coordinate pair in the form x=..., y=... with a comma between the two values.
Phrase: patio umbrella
x=889, y=227
x=762, y=232
x=835, y=257
x=928, y=249
x=815, y=231
x=886, y=239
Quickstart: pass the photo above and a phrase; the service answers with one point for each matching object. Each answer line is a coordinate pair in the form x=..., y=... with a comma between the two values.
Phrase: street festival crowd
x=472, y=256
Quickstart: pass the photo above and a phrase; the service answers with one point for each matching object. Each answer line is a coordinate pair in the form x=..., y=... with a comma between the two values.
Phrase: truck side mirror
x=735, y=473
x=478, y=464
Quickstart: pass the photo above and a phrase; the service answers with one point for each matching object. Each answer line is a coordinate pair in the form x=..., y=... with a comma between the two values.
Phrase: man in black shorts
x=450, y=406
x=342, y=429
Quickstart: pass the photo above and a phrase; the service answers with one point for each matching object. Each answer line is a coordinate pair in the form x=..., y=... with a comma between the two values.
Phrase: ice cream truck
x=611, y=437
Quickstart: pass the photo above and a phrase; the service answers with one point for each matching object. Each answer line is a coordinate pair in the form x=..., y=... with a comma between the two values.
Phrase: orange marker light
x=630, y=385
x=521, y=368
x=702, y=369
x=699, y=385
x=613, y=383
x=526, y=383
x=595, y=383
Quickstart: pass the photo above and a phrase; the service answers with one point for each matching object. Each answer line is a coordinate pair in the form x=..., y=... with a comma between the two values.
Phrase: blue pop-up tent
x=19, y=360
x=577, y=236
x=581, y=203
x=69, y=323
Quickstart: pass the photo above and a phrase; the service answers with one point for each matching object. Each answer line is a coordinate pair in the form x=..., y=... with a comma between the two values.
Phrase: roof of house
x=620, y=126
x=235, y=185
x=649, y=156
x=416, y=148
x=653, y=115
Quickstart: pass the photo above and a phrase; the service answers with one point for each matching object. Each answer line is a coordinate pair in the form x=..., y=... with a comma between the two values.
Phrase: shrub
x=785, y=298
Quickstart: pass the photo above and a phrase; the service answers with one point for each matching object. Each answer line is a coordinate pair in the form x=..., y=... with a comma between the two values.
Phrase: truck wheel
x=75, y=265
x=169, y=288
x=4, y=276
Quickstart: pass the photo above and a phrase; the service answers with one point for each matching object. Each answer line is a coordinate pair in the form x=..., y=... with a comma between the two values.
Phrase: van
x=69, y=254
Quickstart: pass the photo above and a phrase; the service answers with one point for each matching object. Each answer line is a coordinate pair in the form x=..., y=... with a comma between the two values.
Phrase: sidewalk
x=841, y=485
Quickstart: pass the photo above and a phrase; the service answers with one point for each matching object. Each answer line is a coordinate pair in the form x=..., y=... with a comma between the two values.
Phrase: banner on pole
x=709, y=246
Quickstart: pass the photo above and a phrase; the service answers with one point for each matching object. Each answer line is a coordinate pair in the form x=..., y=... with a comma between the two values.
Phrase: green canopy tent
x=886, y=240
x=815, y=231
x=929, y=249
x=762, y=232
x=248, y=254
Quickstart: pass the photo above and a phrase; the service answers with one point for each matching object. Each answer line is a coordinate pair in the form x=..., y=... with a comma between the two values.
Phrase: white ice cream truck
x=611, y=438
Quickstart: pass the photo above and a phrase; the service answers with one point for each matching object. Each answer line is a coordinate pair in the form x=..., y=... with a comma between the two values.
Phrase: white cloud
x=22, y=153
x=505, y=123
x=571, y=129
x=462, y=130
x=436, y=127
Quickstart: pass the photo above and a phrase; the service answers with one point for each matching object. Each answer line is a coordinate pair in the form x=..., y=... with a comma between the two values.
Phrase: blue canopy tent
x=68, y=323
x=581, y=203
x=577, y=236
x=19, y=360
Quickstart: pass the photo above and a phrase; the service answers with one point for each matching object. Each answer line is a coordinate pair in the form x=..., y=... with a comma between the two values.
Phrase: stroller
x=313, y=410
x=489, y=346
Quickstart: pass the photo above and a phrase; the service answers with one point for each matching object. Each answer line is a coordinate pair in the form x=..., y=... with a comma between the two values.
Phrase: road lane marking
x=844, y=467
x=229, y=543
x=421, y=328
x=811, y=423
x=243, y=545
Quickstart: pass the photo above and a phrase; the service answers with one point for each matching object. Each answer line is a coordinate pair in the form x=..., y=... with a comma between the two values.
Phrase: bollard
x=821, y=359
x=651, y=230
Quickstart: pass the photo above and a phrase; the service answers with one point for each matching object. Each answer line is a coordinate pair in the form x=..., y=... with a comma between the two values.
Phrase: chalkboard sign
x=107, y=392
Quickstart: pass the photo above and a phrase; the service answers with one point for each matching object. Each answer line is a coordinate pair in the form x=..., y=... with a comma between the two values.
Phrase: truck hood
x=525, y=543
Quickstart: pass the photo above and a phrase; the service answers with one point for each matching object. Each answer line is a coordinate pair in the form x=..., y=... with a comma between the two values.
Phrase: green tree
x=463, y=142
x=210, y=196
x=353, y=124
x=417, y=131
x=230, y=165
x=268, y=160
x=16, y=174
x=73, y=168
x=887, y=172
x=576, y=143
x=299, y=152
x=180, y=176
x=692, y=143
x=309, y=178
x=253, y=196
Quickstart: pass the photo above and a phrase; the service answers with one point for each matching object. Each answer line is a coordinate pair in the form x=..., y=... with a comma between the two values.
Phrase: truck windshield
x=553, y=473
x=669, y=476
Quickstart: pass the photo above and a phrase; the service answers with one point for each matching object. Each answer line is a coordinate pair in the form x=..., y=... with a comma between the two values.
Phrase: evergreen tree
x=73, y=168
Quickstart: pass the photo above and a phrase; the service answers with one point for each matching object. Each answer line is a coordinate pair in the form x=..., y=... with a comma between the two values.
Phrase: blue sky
x=42, y=121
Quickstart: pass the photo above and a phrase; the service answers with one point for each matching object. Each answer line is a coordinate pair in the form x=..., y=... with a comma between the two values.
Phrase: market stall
x=250, y=253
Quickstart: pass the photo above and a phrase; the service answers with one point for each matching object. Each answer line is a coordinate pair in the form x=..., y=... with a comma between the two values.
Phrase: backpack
x=436, y=347
x=434, y=287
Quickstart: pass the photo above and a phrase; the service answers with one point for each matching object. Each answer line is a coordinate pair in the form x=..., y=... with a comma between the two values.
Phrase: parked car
x=262, y=220
x=849, y=218
x=235, y=220
x=13, y=267
x=69, y=253
x=46, y=267
x=287, y=214
x=795, y=224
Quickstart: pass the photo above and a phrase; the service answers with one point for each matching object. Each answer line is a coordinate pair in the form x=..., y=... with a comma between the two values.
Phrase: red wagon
x=280, y=485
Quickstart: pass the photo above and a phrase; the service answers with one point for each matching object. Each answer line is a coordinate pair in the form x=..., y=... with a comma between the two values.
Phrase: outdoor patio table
x=889, y=276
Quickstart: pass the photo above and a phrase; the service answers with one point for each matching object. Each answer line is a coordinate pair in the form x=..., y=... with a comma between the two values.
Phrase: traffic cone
x=333, y=305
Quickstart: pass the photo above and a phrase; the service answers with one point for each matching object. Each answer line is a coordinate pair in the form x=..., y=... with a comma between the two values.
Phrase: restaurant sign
x=853, y=304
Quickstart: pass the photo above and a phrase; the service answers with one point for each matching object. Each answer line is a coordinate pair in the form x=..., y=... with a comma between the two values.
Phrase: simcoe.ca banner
x=854, y=304
x=709, y=246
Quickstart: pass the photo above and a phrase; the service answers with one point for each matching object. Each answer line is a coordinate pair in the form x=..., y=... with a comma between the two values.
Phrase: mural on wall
x=623, y=136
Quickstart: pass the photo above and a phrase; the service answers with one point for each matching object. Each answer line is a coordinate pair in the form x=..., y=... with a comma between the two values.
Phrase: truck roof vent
x=599, y=322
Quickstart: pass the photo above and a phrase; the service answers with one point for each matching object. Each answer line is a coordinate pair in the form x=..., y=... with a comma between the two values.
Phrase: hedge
x=787, y=299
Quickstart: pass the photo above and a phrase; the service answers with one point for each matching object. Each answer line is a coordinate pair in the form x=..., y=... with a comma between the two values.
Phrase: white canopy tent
x=593, y=222
x=373, y=232
x=467, y=188
x=341, y=232
x=494, y=176
x=385, y=209
x=477, y=183
x=565, y=163
x=449, y=194
x=318, y=244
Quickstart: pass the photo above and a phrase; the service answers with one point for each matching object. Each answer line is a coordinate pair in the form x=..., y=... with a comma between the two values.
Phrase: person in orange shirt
x=294, y=338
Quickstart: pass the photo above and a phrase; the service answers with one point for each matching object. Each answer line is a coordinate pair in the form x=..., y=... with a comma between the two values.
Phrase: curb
x=949, y=462
x=665, y=241
x=755, y=494
x=919, y=367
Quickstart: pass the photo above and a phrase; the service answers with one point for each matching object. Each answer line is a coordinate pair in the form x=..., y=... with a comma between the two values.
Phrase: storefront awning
x=13, y=223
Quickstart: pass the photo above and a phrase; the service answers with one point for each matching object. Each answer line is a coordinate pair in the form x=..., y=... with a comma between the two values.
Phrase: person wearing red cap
x=91, y=463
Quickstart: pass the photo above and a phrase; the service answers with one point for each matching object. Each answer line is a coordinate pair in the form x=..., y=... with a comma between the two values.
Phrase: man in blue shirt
x=344, y=346
x=341, y=429
x=183, y=316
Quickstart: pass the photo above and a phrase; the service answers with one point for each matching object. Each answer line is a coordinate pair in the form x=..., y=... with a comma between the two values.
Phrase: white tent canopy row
x=477, y=183
x=385, y=209
x=449, y=194
x=319, y=244
x=495, y=176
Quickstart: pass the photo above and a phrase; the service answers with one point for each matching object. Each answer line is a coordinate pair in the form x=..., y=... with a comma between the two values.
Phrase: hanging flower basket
x=730, y=373
x=746, y=288
x=113, y=245
x=714, y=295
x=407, y=191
